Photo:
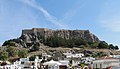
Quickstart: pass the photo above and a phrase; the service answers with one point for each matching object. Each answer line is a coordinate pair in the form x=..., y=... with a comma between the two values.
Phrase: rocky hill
x=31, y=37
x=41, y=40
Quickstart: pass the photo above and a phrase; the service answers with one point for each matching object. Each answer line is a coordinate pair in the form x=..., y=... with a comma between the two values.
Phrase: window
x=22, y=62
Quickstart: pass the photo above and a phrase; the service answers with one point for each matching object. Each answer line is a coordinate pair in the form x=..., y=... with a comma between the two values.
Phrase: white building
x=52, y=64
x=104, y=63
x=8, y=67
x=87, y=60
x=115, y=56
x=64, y=62
x=46, y=55
x=74, y=57
x=24, y=63
x=70, y=55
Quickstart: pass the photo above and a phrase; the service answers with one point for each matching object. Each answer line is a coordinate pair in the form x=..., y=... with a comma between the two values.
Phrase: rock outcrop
x=30, y=37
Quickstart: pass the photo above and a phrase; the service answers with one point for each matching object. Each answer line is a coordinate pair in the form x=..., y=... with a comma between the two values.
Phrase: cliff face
x=33, y=35
x=29, y=37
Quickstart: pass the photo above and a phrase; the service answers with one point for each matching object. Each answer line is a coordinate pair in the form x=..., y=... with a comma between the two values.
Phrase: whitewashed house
x=74, y=57
x=87, y=60
x=52, y=64
x=24, y=63
x=70, y=55
x=105, y=63
x=37, y=62
x=46, y=55
x=64, y=62
x=115, y=56
x=9, y=67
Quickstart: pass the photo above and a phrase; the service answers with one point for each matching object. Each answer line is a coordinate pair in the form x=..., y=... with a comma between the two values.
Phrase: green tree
x=9, y=42
x=111, y=46
x=116, y=47
x=32, y=58
x=23, y=53
x=3, y=55
x=94, y=44
x=79, y=41
x=69, y=43
x=12, y=51
x=103, y=45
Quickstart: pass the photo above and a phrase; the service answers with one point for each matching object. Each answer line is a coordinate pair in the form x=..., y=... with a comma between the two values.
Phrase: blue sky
x=101, y=17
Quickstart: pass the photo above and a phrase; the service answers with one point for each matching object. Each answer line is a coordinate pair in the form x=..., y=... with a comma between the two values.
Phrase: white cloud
x=109, y=16
x=47, y=15
x=73, y=11
x=112, y=24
